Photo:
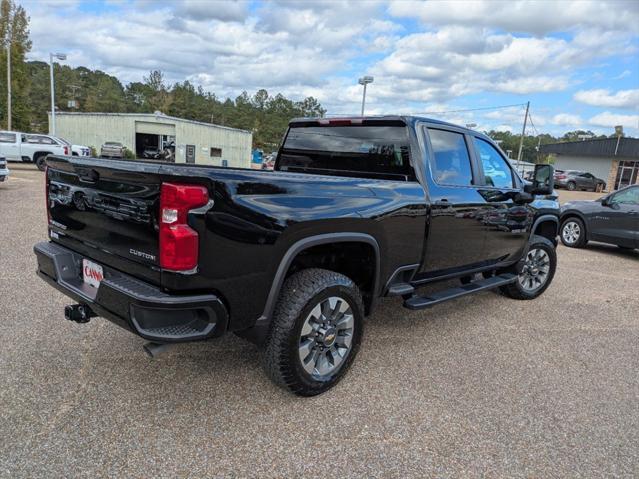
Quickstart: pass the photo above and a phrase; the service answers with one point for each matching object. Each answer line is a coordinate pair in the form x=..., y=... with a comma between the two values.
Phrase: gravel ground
x=483, y=386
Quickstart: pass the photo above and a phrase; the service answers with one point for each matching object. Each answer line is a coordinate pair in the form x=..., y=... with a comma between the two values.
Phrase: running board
x=421, y=302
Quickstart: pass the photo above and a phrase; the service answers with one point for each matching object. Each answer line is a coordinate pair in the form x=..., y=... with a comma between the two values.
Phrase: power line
x=471, y=109
x=439, y=112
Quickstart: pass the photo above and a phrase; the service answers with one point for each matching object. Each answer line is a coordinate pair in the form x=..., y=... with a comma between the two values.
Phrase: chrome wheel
x=534, y=274
x=326, y=337
x=571, y=232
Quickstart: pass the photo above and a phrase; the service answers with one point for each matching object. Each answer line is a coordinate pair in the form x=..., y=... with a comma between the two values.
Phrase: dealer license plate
x=92, y=273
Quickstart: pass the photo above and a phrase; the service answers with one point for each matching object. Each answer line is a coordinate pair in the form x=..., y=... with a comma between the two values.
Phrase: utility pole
x=364, y=81
x=8, y=83
x=523, y=132
x=59, y=56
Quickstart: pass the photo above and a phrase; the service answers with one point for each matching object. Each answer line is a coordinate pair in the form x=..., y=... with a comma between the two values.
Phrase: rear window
x=358, y=150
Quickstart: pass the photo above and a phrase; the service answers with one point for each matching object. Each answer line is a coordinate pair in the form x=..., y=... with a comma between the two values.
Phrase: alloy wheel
x=535, y=271
x=326, y=337
x=571, y=232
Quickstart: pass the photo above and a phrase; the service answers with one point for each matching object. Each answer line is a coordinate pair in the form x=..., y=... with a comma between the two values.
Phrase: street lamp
x=59, y=56
x=365, y=81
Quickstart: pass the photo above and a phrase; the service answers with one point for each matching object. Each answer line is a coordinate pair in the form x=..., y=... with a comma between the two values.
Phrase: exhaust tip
x=154, y=349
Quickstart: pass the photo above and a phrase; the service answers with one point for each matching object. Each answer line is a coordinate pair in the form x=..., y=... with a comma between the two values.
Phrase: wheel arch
x=305, y=244
x=546, y=226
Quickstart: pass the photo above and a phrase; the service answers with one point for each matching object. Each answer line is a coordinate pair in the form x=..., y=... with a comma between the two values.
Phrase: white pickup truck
x=32, y=147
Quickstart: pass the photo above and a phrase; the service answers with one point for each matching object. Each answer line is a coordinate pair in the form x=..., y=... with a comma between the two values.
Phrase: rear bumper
x=133, y=304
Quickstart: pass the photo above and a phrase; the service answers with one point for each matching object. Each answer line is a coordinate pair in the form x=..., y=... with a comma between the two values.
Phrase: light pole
x=8, y=83
x=365, y=81
x=59, y=56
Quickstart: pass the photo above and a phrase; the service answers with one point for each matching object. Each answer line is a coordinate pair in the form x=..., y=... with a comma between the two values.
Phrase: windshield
x=376, y=150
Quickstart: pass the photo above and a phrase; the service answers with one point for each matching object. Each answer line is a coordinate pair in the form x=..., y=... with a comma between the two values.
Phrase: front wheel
x=573, y=233
x=572, y=186
x=315, y=332
x=536, y=273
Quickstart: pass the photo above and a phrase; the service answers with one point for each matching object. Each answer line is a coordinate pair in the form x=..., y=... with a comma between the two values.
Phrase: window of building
x=627, y=173
x=497, y=173
x=216, y=152
x=451, y=162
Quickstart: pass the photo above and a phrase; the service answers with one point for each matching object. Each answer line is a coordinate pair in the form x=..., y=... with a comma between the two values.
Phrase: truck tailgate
x=108, y=211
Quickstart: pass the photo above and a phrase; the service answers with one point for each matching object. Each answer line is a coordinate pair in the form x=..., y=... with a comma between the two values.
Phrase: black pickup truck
x=294, y=259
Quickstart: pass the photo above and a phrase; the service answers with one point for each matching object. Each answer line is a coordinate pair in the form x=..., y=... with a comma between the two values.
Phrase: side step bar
x=421, y=302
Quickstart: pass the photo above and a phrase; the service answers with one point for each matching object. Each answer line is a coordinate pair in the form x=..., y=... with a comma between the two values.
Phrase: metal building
x=192, y=141
x=615, y=160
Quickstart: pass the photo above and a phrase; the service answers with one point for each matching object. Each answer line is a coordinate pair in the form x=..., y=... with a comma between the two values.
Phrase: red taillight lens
x=66, y=150
x=178, y=241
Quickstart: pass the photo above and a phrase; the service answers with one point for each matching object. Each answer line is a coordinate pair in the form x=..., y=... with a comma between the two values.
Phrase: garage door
x=155, y=128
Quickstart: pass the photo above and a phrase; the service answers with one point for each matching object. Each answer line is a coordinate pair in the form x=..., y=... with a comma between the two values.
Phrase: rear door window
x=7, y=137
x=363, y=150
x=451, y=161
x=497, y=173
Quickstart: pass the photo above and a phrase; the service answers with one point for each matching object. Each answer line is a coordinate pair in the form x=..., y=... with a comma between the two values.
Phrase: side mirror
x=543, y=181
x=606, y=201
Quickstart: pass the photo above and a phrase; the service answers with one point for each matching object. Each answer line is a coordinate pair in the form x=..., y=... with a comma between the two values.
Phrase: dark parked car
x=578, y=180
x=294, y=259
x=612, y=219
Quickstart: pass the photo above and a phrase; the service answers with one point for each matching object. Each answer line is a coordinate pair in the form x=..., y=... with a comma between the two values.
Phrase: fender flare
x=309, y=242
x=543, y=219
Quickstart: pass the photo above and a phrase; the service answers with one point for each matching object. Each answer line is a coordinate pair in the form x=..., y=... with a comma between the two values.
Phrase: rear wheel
x=315, y=332
x=41, y=161
x=573, y=233
x=572, y=186
x=536, y=273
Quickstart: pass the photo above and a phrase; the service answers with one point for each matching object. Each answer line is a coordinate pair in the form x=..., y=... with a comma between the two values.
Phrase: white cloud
x=536, y=17
x=566, y=119
x=321, y=47
x=609, y=119
x=229, y=10
x=604, y=98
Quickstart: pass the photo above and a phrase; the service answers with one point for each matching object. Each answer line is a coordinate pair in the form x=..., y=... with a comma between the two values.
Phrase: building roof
x=605, y=147
x=157, y=116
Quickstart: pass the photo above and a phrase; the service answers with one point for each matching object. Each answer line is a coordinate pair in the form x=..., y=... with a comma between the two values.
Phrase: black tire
x=300, y=294
x=572, y=186
x=40, y=161
x=573, y=224
x=516, y=290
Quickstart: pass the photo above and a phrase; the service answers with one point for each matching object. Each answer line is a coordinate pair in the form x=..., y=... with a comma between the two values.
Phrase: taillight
x=66, y=150
x=178, y=241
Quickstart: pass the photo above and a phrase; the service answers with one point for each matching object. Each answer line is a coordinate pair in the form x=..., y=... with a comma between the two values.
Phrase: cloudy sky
x=576, y=61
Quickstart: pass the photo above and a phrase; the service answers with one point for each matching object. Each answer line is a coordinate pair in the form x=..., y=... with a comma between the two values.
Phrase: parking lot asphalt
x=482, y=386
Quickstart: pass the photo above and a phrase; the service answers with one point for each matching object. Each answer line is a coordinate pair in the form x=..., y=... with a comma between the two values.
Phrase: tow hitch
x=80, y=313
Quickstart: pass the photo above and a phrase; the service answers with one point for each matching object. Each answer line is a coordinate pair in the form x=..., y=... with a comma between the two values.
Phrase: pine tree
x=14, y=36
